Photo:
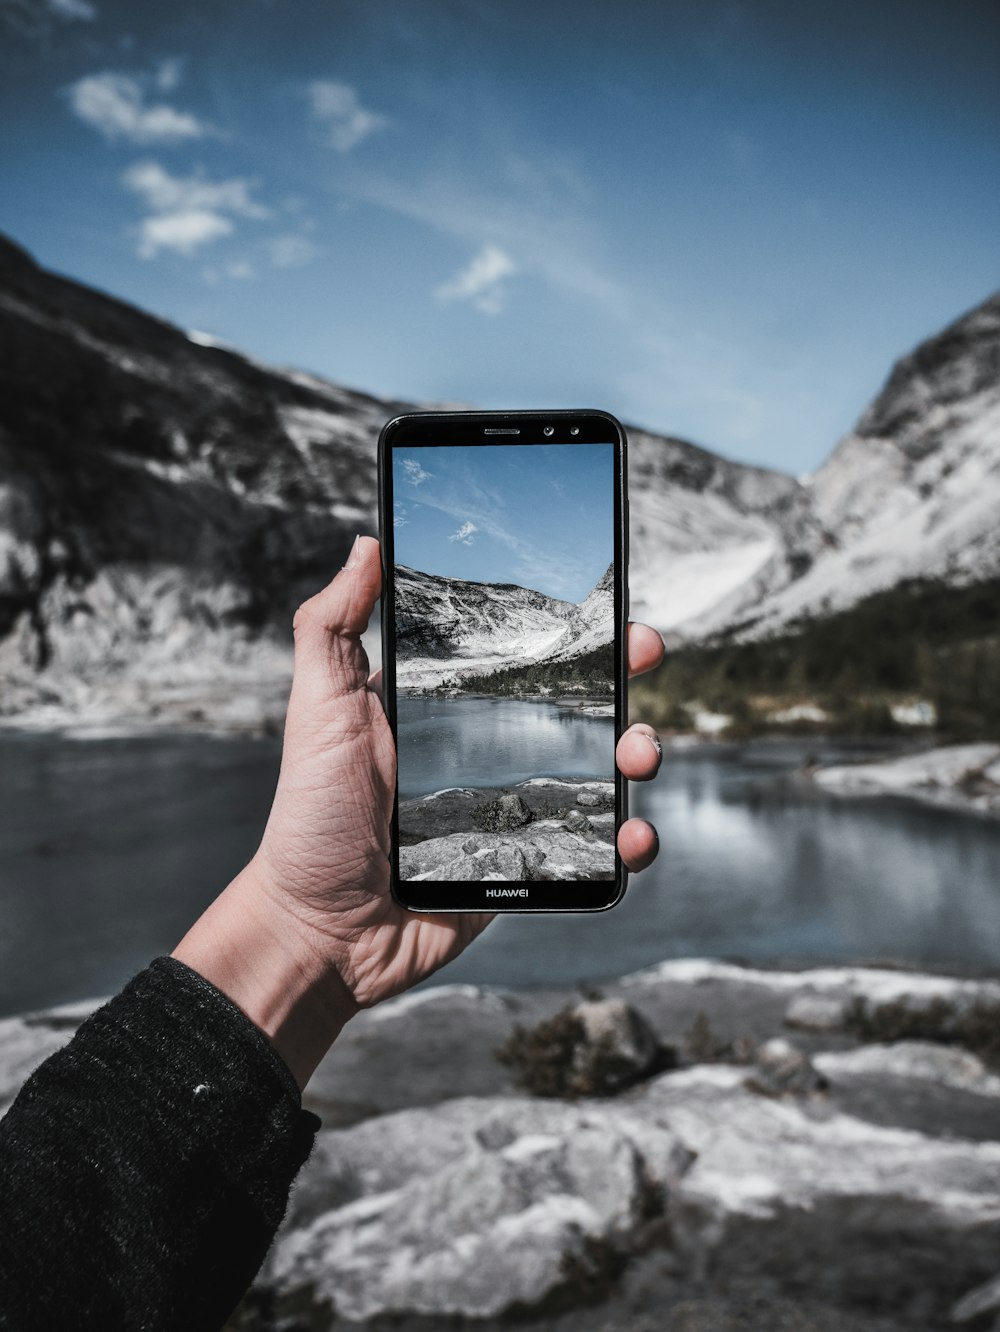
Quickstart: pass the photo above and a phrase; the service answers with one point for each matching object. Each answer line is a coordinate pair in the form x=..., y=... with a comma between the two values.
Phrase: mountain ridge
x=449, y=629
x=165, y=504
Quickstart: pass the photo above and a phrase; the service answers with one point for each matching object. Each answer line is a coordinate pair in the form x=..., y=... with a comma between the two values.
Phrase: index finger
x=645, y=649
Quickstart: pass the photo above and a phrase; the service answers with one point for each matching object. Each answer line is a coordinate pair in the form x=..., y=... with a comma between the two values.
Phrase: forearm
x=272, y=971
x=145, y=1168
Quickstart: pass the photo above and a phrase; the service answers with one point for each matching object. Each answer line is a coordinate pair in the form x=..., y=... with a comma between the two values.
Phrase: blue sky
x=539, y=515
x=721, y=220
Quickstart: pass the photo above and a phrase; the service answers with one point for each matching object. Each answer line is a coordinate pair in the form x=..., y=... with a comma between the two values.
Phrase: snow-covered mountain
x=710, y=537
x=165, y=502
x=912, y=492
x=590, y=625
x=448, y=629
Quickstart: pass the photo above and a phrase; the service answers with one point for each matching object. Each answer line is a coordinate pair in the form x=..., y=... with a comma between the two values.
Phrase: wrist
x=262, y=960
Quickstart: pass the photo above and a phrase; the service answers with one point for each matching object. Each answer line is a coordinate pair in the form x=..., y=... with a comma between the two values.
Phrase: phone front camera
x=574, y=430
x=549, y=430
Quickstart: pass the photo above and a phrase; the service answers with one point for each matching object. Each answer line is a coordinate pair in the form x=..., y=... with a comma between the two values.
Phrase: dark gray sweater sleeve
x=145, y=1167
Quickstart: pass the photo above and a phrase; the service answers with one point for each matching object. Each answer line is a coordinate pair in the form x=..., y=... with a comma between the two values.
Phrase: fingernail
x=654, y=740
x=352, y=559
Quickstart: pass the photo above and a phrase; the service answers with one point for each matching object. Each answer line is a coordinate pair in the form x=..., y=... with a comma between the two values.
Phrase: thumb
x=328, y=627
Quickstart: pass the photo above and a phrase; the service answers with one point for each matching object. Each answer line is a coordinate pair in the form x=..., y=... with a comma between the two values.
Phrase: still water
x=496, y=742
x=109, y=848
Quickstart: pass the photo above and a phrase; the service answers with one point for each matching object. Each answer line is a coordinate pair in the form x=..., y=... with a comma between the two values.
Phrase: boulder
x=619, y=1045
x=501, y=815
x=588, y=798
x=475, y=1208
x=782, y=1070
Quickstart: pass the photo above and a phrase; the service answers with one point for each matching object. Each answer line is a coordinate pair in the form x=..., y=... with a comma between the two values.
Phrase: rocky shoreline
x=813, y=1149
x=543, y=828
x=965, y=778
x=591, y=705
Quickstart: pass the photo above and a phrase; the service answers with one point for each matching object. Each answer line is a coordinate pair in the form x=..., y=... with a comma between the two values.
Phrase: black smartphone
x=504, y=645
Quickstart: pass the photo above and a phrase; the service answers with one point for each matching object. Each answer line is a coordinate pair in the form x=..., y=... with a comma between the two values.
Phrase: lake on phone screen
x=110, y=848
x=496, y=742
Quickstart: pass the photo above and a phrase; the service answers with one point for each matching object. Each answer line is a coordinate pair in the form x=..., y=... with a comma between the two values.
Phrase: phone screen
x=504, y=624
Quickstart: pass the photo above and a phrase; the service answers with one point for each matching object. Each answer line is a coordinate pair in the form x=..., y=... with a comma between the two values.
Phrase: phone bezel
x=468, y=428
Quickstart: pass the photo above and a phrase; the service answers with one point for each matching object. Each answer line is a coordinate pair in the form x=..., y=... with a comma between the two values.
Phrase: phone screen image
x=503, y=614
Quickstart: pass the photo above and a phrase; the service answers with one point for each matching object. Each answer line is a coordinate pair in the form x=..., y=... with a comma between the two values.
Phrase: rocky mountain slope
x=450, y=628
x=164, y=505
x=165, y=502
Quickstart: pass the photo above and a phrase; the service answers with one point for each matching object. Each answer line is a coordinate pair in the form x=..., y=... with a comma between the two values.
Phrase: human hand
x=318, y=886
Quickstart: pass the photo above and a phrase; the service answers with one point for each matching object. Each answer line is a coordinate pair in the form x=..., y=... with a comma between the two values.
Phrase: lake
x=109, y=849
x=496, y=742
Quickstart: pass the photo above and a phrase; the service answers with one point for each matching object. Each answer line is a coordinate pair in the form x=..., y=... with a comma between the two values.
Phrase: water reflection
x=109, y=849
x=496, y=742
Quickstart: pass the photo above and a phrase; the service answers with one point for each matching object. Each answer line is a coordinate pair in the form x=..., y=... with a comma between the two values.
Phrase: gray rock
x=576, y=822
x=620, y=1045
x=505, y=813
x=782, y=1070
x=540, y=850
x=472, y=1206
x=818, y=1012
x=447, y=1224
x=588, y=798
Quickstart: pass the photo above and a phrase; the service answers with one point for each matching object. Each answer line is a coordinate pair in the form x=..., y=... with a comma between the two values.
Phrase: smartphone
x=504, y=641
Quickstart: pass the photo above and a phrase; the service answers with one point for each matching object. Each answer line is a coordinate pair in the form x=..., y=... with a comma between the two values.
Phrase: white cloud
x=464, y=533
x=336, y=107
x=164, y=192
x=399, y=518
x=538, y=212
x=115, y=104
x=291, y=251
x=187, y=212
x=415, y=474
x=182, y=232
x=481, y=280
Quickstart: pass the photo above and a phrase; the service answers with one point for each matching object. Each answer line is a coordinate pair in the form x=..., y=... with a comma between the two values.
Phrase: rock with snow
x=944, y=1065
x=798, y=712
x=920, y=712
x=956, y=776
x=710, y=723
x=817, y=1012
